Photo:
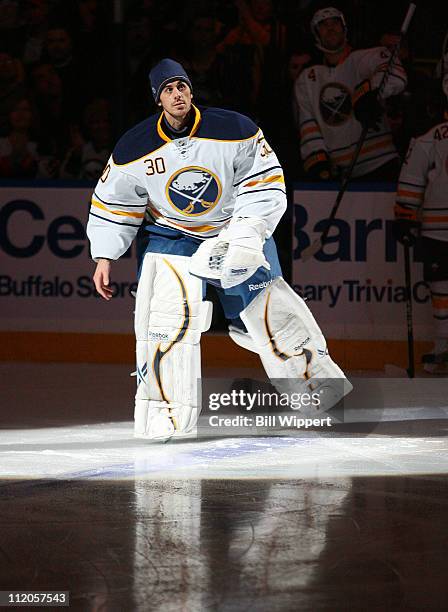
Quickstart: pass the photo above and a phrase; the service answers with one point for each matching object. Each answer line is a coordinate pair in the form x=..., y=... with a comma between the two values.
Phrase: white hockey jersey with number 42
x=423, y=185
x=196, y=184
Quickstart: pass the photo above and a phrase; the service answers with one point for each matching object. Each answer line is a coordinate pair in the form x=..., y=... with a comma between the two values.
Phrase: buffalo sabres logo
x=335, y=103
x=193, y=191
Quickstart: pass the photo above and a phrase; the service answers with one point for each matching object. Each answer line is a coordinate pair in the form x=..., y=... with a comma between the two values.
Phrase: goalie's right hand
x=242, y=261
x=234, y=255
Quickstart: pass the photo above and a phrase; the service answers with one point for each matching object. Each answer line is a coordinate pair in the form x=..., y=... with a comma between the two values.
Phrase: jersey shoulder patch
x=221, y=124
x=137, y=142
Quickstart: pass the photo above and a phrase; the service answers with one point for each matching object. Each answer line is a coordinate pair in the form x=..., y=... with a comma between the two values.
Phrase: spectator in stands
x=10, y=26
x=139, y=40
x=35, y=15
x=59, y=47
x=283, y=127
x=297, y=62
x=59, y=53
x=338, y=97
x=54, y=112
x=245, y=52
x=202, y=61
x=91, y=149
x=12, y=87
x=92, y=22
x=254, y=24
x=88, y=24
x=18, y=150
x=142, y=51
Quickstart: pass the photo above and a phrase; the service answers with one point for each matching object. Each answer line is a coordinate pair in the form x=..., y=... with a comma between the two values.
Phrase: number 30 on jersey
x=155, y=166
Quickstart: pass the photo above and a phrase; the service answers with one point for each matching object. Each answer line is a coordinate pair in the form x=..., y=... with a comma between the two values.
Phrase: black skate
x=436, y=363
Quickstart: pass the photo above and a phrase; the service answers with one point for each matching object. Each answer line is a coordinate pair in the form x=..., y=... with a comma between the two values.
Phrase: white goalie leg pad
x=170, y=317
x=242, y=338
x=292, y=346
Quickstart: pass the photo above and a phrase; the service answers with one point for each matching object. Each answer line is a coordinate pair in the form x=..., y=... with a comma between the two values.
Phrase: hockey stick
x=319, y=242
x=444, y=52
x=442, y=65
x=409, y=319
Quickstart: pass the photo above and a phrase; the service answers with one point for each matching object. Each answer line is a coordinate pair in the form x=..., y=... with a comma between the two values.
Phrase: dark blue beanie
x=164, y=72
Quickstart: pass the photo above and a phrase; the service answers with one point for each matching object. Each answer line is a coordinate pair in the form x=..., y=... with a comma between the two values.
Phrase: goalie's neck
x=178, y=131
x=169, y=132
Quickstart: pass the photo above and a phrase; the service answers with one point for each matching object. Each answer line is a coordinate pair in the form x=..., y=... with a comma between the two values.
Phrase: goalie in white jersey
x=338, y=97
x=212, y=191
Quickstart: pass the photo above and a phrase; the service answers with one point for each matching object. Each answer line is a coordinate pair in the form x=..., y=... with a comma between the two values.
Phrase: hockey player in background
x=211, y=191
x=421, y=212
x=338, y=97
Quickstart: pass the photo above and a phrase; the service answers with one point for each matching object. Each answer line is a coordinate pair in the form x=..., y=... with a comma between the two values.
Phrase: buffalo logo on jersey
x=193, y=191
x=335, y=103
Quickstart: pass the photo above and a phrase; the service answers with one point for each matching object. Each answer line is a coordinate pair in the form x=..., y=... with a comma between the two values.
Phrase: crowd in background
x=73, y=76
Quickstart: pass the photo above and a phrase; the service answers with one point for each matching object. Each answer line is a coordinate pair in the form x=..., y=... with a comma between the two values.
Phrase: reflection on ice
x=228, y=541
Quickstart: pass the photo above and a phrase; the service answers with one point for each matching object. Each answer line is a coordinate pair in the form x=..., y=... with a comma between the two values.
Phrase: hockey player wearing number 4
x=211, y=191
x=340, y=97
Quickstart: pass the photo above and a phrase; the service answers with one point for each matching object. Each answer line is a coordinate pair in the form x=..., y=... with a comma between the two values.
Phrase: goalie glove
x=234, y=255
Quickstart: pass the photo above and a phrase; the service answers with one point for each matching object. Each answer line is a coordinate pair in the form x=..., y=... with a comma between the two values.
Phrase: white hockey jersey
x=422, y=193
x=195, y=184
x=324, y=95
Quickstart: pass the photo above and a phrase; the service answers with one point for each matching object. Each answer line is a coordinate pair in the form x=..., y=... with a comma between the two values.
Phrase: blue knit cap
x=164, y=72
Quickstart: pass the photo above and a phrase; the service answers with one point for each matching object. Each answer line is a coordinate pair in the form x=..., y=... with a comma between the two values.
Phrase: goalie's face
x=175, y=99
x=331, y=33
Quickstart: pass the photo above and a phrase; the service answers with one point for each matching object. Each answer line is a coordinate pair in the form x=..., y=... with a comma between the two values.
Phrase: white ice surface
x=55, y=446
x=109, y=451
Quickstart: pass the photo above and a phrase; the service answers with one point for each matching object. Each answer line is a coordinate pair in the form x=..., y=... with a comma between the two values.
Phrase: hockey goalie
x=210, y=191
